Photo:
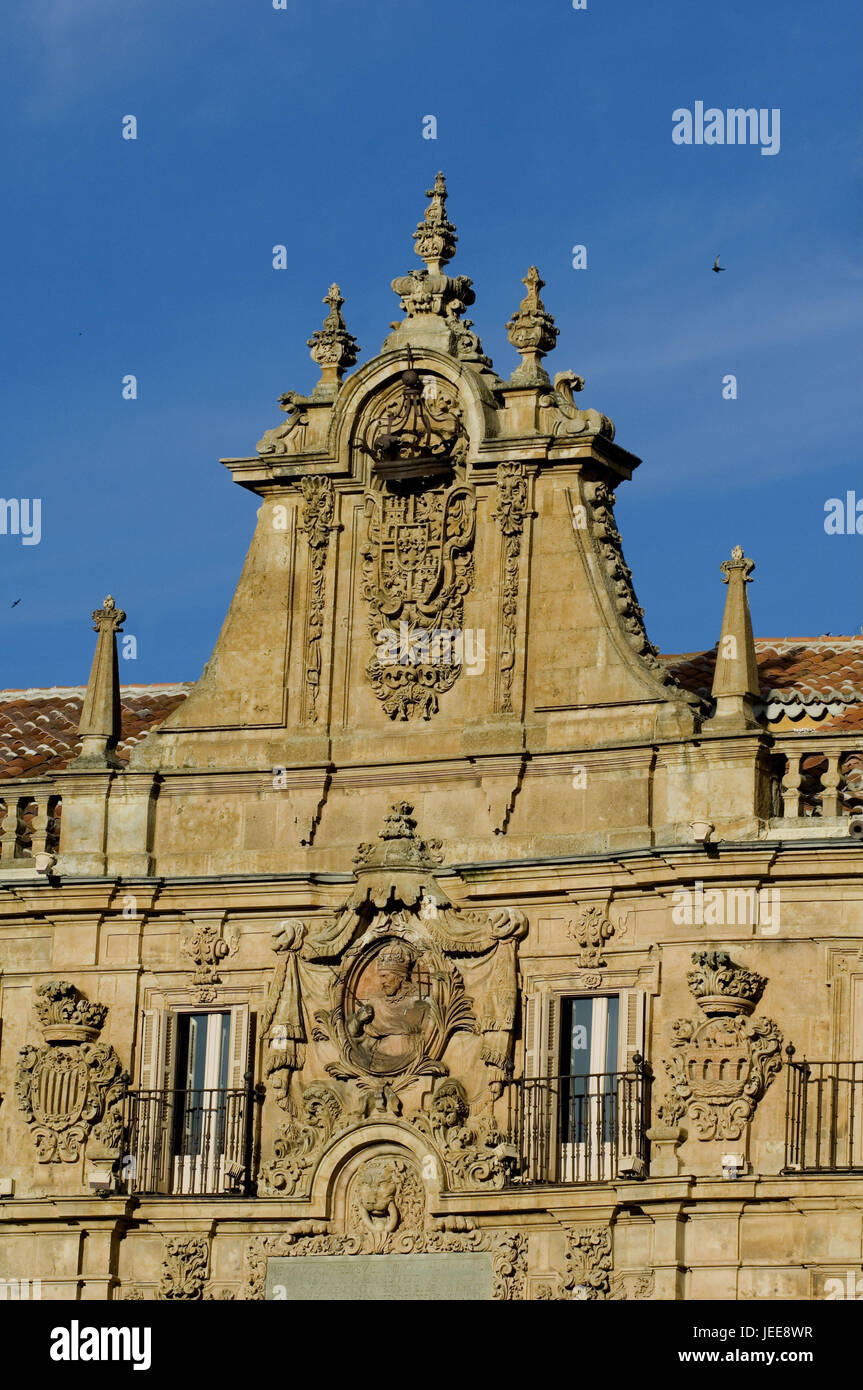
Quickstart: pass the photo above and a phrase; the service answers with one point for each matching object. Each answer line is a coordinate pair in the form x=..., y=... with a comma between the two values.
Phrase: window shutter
x=531, y=1023
x=632, y=1011
x=542, y=1035
x=238, y=1046
x=169, y=1044
x=155, y=1114
x=152, y=1033
x=551, y=1025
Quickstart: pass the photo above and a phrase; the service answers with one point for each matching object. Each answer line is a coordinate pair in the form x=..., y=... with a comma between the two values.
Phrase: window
x=588, y=1068
x=191, y=1112
x=583, y=1099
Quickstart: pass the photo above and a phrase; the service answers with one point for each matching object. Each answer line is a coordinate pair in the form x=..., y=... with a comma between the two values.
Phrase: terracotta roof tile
x=39, y=728
x=816, y=679
x=819, y=678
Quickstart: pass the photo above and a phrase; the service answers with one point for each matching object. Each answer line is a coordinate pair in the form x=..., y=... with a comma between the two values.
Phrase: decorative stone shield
x=67, y=1088
x=722, y=1065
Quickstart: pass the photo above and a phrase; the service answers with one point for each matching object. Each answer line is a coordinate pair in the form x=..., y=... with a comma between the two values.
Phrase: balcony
x=191, y=1143
x=582, y=1129
x=824, y=1117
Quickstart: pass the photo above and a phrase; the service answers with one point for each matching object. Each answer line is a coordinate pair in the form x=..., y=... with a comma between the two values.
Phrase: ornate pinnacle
x=333, y=347
x=100, y=724
x=533, y=333
x=735, y=677
x=108, y=618
x=738, y=561
x=435, y=236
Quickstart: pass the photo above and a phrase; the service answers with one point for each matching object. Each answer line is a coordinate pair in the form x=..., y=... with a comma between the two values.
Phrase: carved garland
x=511, y=512
x=618, y=577
x=317, y=523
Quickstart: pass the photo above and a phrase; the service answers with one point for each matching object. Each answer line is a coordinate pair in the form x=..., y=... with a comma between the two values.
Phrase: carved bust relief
x=392, y=1009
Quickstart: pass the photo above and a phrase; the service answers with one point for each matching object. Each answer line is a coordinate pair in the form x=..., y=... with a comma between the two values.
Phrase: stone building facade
x=445, y=939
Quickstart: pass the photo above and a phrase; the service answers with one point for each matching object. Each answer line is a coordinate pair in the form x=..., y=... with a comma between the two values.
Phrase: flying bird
x=717, y=267
x=15, y=604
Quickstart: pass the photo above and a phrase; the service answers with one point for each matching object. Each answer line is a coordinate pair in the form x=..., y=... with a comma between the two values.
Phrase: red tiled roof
x=819, y=677
x=39, y=728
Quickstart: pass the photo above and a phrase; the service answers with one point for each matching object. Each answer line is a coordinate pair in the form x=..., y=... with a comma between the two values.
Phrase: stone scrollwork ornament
x=599, y=514
x=301, y=1141
x=588, y=1263
x=567, y=417
x=475, y=1152
x=207, y=948
x=317, y=523
x=590, y=930
x=184, y=1268
x=721, y=1065
x=72, y=1087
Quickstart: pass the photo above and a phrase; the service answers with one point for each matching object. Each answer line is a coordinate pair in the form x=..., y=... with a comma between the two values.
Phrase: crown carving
x=417, y=427
x=397, y=957
x=738, y=564
x=66, y=1015
x=399, y=844
x=721, y=987
x=109, y=618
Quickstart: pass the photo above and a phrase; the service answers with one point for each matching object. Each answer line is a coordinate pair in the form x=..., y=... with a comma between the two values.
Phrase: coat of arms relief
x=70, y=1088
x=368, y=1015
x=722, y=1064
x=417, y=559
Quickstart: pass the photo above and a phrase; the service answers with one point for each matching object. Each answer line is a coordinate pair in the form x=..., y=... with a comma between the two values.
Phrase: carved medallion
x=400, y=1004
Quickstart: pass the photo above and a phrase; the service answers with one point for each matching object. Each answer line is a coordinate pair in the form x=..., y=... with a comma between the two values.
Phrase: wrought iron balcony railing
x=824, y=1117
x=582, y=1129
x=190, y=1142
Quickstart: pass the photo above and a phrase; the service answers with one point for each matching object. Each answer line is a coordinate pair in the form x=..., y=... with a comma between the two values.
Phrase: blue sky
x=304, y=127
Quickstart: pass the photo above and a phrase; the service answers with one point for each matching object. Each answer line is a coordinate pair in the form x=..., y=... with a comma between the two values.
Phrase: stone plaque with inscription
x=384, y=1278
